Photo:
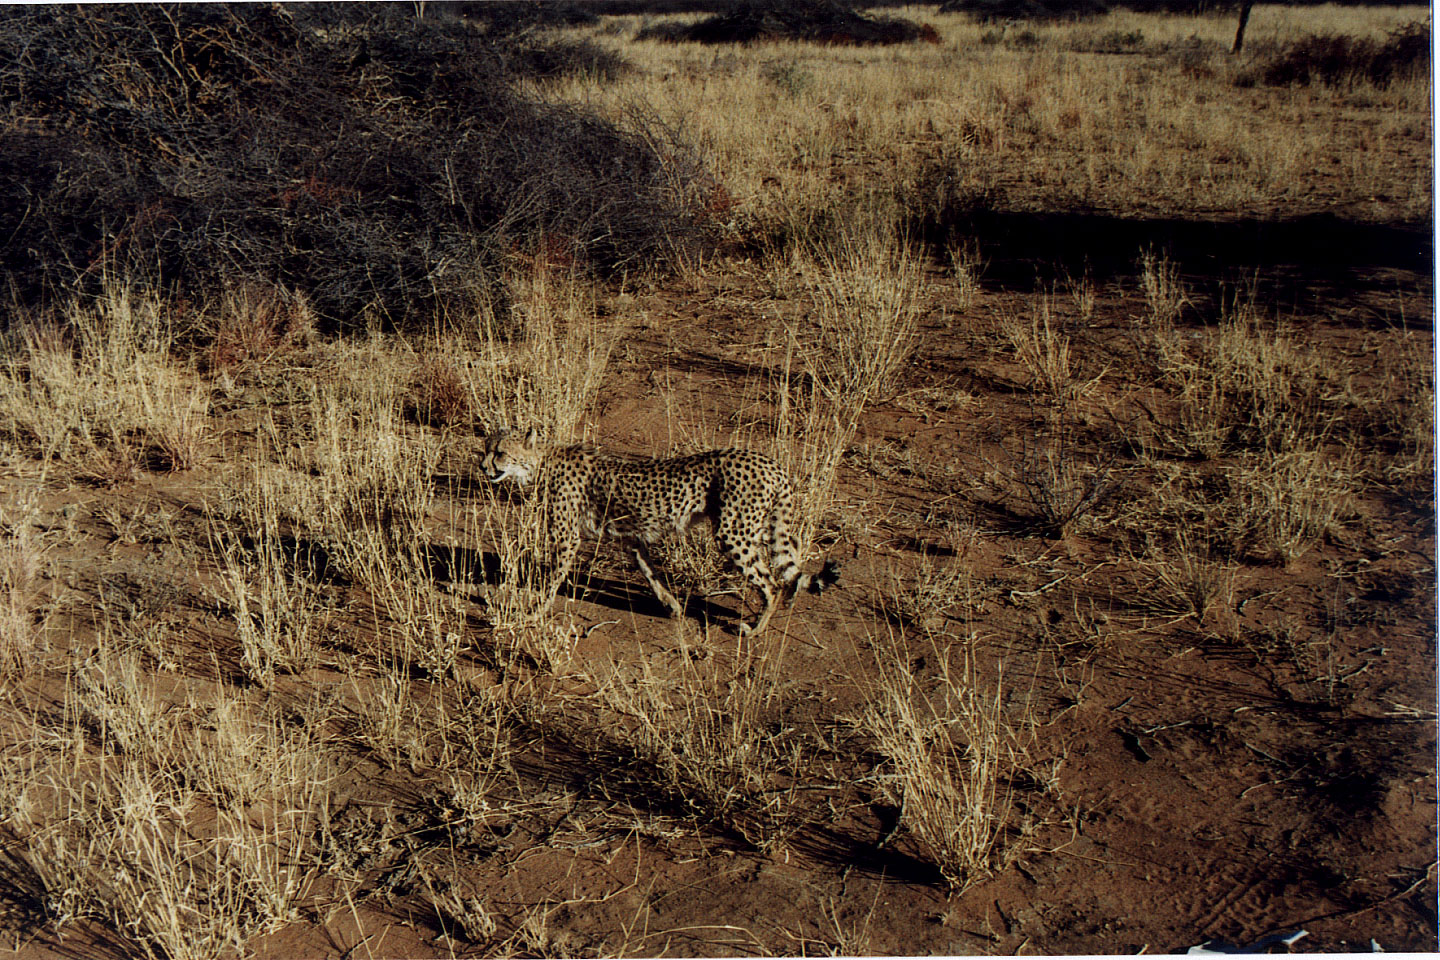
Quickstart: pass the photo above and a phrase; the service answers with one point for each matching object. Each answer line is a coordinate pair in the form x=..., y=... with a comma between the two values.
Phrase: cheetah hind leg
x=642, y=556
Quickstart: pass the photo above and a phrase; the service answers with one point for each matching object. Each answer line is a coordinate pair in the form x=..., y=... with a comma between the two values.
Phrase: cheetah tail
x=828, y=576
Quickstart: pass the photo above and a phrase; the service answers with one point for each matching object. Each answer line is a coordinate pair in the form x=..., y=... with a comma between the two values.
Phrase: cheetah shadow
x=603, y=767
x=484, y=570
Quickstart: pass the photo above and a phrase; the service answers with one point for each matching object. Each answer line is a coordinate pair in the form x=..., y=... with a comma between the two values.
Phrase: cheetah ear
x=530, y=437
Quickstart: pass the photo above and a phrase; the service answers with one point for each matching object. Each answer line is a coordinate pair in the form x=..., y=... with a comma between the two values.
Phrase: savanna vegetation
x=1102, y=359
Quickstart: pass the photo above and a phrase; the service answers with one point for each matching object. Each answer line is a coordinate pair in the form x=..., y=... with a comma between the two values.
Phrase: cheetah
x=745, y=495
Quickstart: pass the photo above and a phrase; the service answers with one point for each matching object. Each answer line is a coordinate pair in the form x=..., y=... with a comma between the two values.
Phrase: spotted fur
x=745, y=495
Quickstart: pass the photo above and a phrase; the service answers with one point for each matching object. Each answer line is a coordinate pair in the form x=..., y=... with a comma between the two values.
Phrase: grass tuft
x=956, y=759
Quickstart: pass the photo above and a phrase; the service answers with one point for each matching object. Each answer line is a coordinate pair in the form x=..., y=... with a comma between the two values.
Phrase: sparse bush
x=545, y=373
x=373, y=160
x=956, y=763
x=462, y=916
x=1057, y=488
x=968, y=266
x=560, y=58
x=1025, y=39
x=1334, y=60
x=545, y=367
x=811, y=436
x=790, y=77
x=371, y=501
x=517, y=604
x=511, y=18
x=868, y=318
x=1416, y=434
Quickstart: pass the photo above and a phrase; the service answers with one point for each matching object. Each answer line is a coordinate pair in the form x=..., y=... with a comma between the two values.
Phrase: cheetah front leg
x=768, y=591
x=565, y=546
x=749, y=558
x=559, y=570
x=642, y=560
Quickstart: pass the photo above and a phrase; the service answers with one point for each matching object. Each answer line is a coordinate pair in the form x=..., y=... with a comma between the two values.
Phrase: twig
x=1347, y=914
x=1037, y=591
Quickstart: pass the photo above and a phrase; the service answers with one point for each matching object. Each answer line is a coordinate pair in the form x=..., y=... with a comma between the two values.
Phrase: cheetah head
x=506, y=456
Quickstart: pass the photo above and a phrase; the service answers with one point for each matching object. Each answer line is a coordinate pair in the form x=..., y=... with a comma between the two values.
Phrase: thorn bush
x=381, y=163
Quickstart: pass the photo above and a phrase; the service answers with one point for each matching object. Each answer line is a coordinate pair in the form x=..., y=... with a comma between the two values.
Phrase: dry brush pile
x=378, y=161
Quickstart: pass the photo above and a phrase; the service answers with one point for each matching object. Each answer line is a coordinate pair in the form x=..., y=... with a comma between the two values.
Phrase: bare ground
x=1266, y=767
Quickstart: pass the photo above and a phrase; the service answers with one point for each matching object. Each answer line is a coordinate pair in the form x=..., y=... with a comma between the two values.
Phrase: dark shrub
x=813, y=21
x=1334, y=60
x=373, y=160
x=510, y=17
x=557, y=58
x=1194, y=55
x=1405, y=52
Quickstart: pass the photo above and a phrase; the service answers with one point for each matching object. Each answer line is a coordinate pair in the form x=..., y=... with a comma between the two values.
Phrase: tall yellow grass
x=955, y=758
x=794, y=131
x=99, y=392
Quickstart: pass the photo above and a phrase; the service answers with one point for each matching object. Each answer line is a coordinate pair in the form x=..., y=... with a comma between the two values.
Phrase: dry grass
x=1043, y=351
x=546, y=375
x=367, y=496
x=1244, y=384
x=22, y=621
x=968, y=266
x=810, y=438
x=546, y=371
x=957, y=755
x=1403, y=409
x=99, y=392
x=181, y=827
x=1164, y=133
x=865, y=297
x=864, y=291
x=1186, y=579
x=1286, y=503
x=254, y=324
x=940, y=588
x=269, y=586
x=713, y=743
x=1164, y=294
x=1418, y=433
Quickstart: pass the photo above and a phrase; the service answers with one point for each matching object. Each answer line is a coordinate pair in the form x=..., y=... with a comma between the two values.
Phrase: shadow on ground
x=1307, y=259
